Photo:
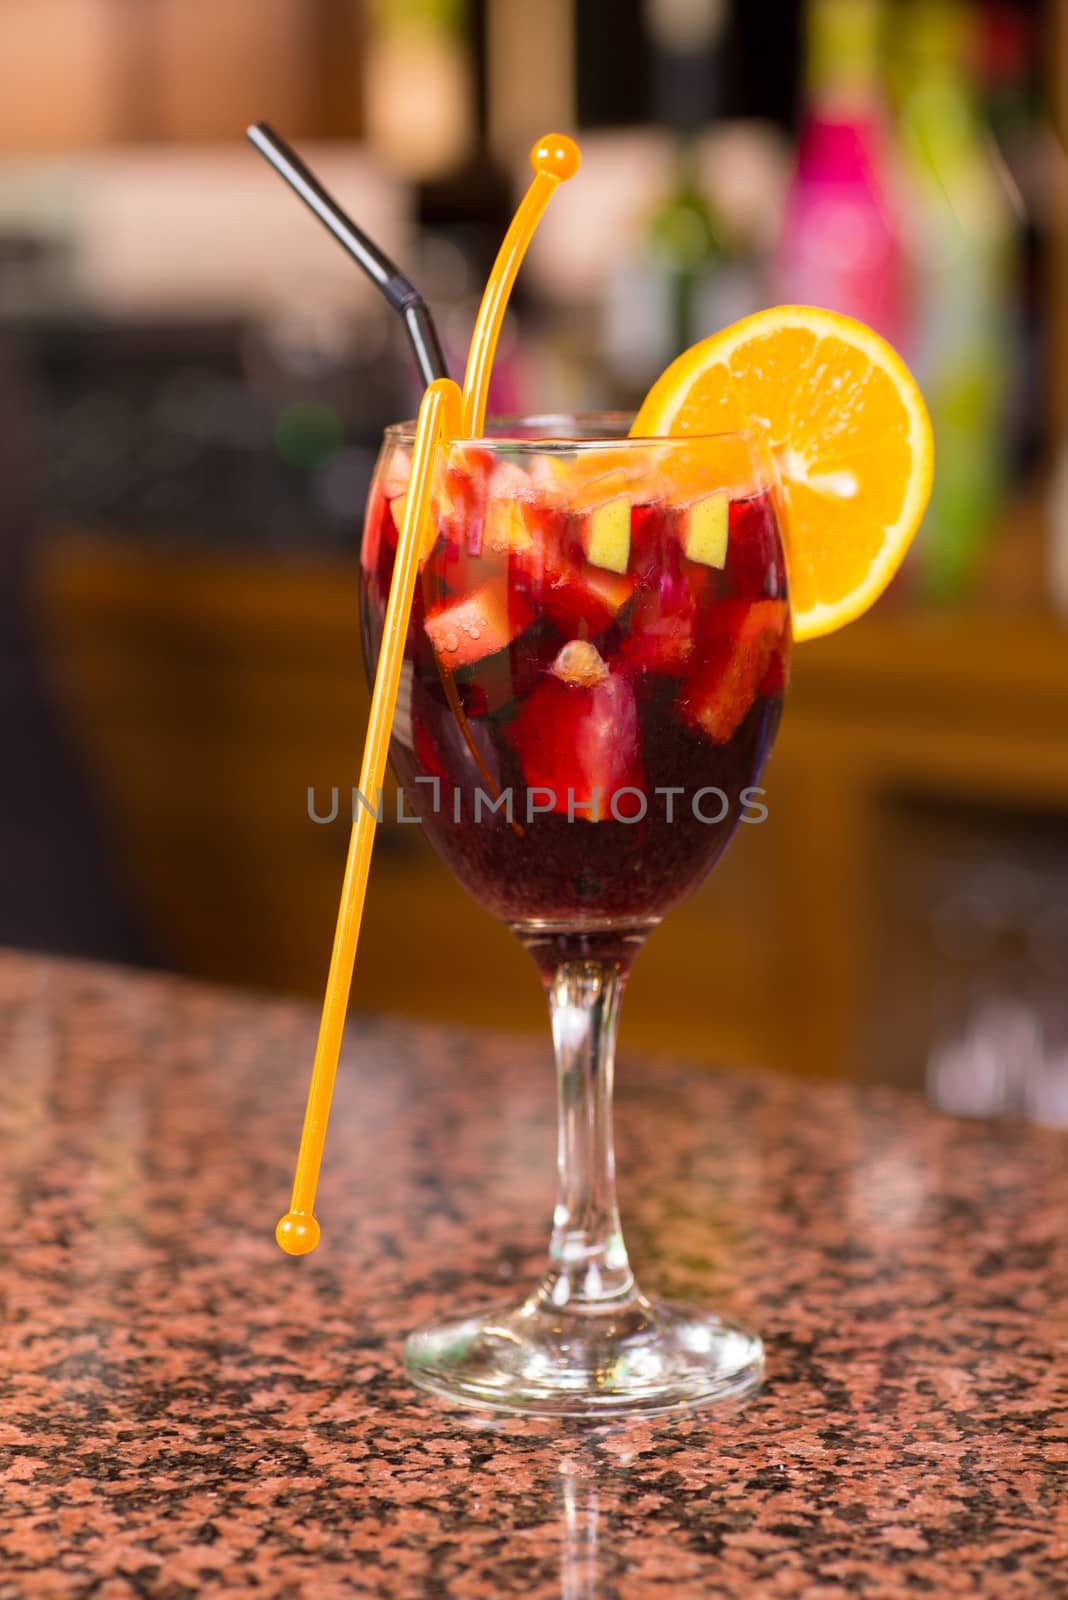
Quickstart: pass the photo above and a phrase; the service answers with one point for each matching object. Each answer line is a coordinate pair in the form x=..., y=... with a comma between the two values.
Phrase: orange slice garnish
x=850, y=435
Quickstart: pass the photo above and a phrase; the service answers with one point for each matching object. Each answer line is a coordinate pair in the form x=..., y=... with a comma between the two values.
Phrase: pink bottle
x=840, y=245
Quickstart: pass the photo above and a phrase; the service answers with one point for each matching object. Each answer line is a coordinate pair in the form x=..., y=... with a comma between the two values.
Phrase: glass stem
x=588, y=1265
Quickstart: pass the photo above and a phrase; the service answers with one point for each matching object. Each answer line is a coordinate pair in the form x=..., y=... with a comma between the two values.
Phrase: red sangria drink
x=580, y=637
x=593, y=674
x=595, y=664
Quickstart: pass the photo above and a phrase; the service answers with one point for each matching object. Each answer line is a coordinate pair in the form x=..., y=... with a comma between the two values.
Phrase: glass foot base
x=640, y=1358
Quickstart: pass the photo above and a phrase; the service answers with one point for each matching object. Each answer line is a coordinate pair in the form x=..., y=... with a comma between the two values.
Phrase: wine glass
x=593, y=676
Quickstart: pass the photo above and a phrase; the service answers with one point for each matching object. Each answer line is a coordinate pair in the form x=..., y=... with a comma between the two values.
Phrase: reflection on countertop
x=187, y=1411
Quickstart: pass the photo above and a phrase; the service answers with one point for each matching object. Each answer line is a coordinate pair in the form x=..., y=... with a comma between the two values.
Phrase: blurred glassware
x=841, y=244
x=143, y=215
x=168, y=433
x=418, y=87
x=996, y=911
x=961, y=243
x=687, y=277
x=656, y=293
x=39, y=223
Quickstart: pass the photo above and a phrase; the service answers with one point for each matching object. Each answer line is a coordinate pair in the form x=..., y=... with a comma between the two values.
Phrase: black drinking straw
x=402, y=295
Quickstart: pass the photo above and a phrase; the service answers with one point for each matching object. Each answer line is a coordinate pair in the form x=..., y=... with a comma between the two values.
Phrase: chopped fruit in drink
x=649, y=547
x=481, y=623
x=605, y=534
x=462, y=500
x=394, y=479
x=450, y=571
x=505, y=678
x=777, y=676
x=467, y=473
x=507, y=526
x=585, y=599
x=396, y=509
x=581, y=745
x=507, y=479
x=455, y=511
x=731, y=665
x=719, y=697
x=703, y=529
x=662, y=626
x=754, y=565
x=850, y=434
x=457, y=500
x=558, y=581
x=580, y=664
x=744, y=619
x=767, y=616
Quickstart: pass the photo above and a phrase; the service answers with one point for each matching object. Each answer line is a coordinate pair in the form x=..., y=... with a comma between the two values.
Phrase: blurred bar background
x=194, y=380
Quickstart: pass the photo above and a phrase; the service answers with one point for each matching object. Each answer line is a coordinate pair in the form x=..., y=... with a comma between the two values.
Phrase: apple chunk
x=732, y=665
x=605, y=534
x=703, y=529
x=396, y=509
x=479, y=624
x=507, y=526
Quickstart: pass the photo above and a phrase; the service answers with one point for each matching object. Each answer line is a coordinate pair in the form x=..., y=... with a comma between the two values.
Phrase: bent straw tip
x=556, y=156
x=297, y=1233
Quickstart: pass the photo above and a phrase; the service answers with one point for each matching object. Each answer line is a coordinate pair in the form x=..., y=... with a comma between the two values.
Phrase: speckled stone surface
x=186, y=1412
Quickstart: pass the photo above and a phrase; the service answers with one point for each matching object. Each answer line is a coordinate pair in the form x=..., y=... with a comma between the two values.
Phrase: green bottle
x=687, y=240
x=961, y=240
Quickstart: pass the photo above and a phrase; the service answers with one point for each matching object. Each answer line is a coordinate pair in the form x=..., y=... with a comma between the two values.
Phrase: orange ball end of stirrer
x=297, y=1233
x=556, y=156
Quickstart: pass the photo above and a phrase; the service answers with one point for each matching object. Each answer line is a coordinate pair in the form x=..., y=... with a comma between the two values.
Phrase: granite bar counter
x=186, y=1412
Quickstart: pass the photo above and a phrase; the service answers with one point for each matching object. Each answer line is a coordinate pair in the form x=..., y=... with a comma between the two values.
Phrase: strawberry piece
x=458, y=501
x=665, y=622
x=476, y=625
x=456, y=509
x=652, y=547
x=573, y=741
x=553, y=574
x=586, y=600
x=535, y=551
x=734, y=657
x=462, y=498
x=477, y=536
x=754, y=554
x=395, y=472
